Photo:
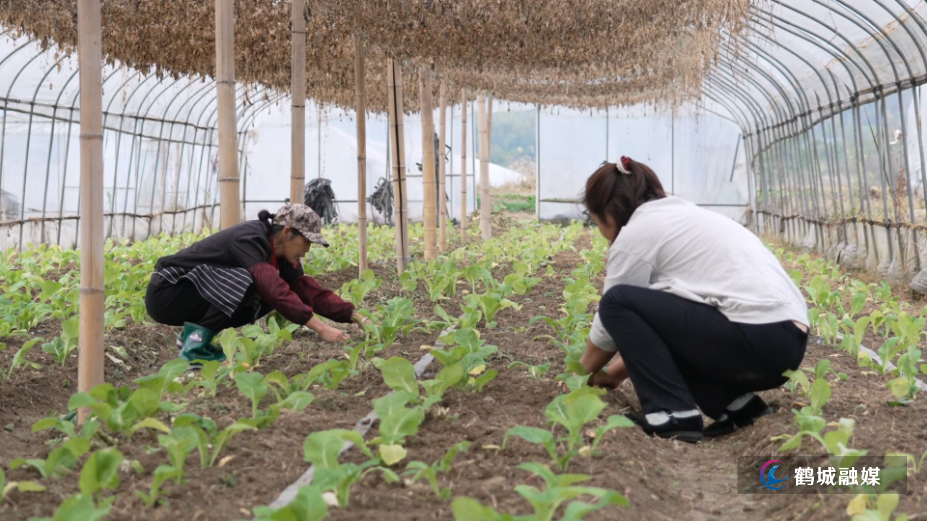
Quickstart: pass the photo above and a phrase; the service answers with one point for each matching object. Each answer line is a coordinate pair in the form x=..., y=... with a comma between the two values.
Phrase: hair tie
x=623, y=165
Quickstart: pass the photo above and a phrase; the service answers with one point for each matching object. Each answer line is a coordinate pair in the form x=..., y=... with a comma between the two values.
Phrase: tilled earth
x=661, y=479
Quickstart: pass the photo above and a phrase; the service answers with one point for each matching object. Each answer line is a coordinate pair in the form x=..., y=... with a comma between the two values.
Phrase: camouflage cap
x=302, y=219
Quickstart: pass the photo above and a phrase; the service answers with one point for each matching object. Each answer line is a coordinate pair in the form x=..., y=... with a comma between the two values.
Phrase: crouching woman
x=700, y=311
x=239, y=275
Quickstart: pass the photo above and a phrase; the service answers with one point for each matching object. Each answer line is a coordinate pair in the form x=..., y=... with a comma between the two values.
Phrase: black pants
x=681, y=354
x=174, y=304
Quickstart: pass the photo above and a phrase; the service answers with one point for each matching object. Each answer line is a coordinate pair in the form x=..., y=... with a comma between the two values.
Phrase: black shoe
x=683, y=429
x=743, y=417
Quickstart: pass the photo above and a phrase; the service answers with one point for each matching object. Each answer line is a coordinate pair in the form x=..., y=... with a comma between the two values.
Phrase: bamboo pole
x=442, y=169
x=397, y=147
x=361, y=109
x=463, y=165
x=298, y=106
x=428, y=163
x=485, y=203
x=229, y=206
x=489, y=125
x=90, y=63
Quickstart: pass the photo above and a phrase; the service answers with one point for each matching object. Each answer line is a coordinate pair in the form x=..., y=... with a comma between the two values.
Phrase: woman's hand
x=333, y=335
x=328, y=333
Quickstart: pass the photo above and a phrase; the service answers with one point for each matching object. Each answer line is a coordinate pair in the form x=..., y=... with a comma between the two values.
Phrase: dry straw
x=582, y=53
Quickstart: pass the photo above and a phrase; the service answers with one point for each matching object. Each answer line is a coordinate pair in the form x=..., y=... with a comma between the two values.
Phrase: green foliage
x=572, y=412
x=308, y=505
x=558, y=489
x=22, y=486
x=420, y=470
x=161, y=475
x=322, y=449
x=356, y=290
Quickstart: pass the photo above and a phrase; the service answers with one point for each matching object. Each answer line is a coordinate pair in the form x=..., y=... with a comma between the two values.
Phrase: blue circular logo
x=769, y=478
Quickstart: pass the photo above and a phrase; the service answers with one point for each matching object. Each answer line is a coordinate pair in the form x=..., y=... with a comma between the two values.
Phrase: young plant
x=571, y=411
x=356, y=290
x=420, y=470
x=392, y=319
x=161, y=474
x=62, y=346
x=308, y=505
x=60, y=461
x=329, y=374
x=22, y=486
x=558, y=489
x=179, y=444
x=123, y=410
x=19, y=359
x=208, y=435
x=443, y=282
x=322, y=449
x=397, y=422
x=536, y=371
x=490, y=304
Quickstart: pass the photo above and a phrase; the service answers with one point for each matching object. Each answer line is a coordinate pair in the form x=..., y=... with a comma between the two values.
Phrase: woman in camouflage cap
x=240, y=274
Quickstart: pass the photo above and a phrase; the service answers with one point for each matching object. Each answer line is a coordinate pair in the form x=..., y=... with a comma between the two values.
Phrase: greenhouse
x=466, y=260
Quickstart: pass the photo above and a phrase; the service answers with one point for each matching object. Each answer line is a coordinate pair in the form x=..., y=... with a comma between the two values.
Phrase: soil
x=662, y=479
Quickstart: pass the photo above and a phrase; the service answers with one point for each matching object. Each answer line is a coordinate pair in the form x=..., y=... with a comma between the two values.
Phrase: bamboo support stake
x=442, y=169
x=361, y=109
x=489, y=126
x=428, y=163
x=229, y=205
x=463, y=165
x=298, y=107
x=90, y=63
x=485, y=203
x=397, y=148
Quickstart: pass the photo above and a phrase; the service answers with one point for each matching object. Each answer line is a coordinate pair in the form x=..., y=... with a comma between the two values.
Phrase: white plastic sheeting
x=693, y=155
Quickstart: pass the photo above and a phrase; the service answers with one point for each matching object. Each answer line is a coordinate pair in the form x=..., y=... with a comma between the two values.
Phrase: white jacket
x=675, y=246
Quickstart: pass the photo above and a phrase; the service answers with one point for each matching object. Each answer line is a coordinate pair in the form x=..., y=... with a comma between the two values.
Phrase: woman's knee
x=616, y=298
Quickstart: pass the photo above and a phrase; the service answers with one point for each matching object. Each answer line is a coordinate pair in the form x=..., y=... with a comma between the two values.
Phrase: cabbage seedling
x=161, y=474
x=421, y=470
x=22, y=486
x=558, y=490
x=322, y=449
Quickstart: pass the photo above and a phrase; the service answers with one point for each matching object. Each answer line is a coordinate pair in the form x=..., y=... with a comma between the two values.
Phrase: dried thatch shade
x=573, y=52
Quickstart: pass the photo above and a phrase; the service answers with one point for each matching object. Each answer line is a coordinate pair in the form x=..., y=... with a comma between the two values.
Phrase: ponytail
x=268, y=219
x=616, y=190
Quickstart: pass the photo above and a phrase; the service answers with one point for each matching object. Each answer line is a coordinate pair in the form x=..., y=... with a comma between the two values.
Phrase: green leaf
x=149, y=423
x=80, y=507
x=792, y=443
x=444, y=380
x=100, y=471
x=322, y=448
x=308, y=505
x=399, y=375
x=252, y=385
x=467, y=509
x=392, y=453
x=481, y=381
x=529, y=434
x=297, y=401
x=820, y=393
x=225, y=436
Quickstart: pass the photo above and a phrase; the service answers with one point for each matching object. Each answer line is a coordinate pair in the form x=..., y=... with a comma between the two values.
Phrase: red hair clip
x=623, y=165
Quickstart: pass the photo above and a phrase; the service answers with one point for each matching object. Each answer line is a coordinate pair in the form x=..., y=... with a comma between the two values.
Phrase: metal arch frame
x=35, y=93
x=167, y=111
x=802, y=96
x=767, y=129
